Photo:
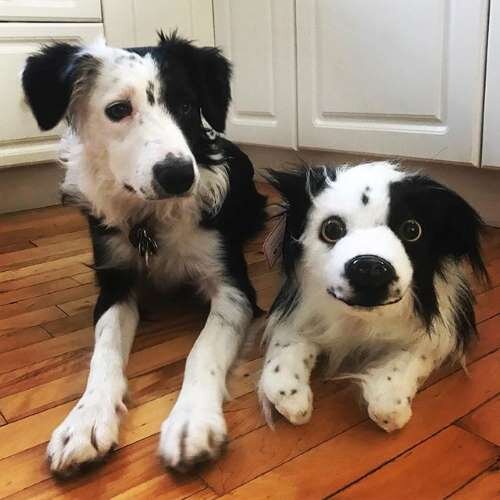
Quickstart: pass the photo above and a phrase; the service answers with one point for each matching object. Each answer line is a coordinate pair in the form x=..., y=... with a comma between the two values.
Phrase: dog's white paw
x=288, y=391
x=87, y=434
x=191, y=435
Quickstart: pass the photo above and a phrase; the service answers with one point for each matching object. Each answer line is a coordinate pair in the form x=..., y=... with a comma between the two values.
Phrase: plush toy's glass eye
x=410, y=230
x=333, y=229
x=118, y=110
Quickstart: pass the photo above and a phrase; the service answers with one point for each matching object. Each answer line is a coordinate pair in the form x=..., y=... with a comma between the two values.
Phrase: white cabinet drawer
x=20, y=139
x=50, y=10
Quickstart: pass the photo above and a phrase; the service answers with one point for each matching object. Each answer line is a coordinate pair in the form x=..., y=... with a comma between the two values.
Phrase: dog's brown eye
x=333, y=229
x=118, y=110
x=410, y=230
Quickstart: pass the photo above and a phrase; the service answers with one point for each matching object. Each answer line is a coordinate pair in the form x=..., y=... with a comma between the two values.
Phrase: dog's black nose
x=173, y=176
x=369, y=271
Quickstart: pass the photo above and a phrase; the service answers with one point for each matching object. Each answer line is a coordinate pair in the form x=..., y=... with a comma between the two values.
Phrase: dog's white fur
x=100, y=157
x=388, y=344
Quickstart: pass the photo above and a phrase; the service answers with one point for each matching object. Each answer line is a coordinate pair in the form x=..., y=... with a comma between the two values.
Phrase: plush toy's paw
x=190, y=435
x=88, y=433
x=288, y=391
x=390, y=417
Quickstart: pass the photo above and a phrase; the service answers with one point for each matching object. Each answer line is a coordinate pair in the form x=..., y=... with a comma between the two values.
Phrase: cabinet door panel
x=20, y=139
x=50, y=10
x=135, y=22
x=259, y=38
x=391, y=77
x=491, y=129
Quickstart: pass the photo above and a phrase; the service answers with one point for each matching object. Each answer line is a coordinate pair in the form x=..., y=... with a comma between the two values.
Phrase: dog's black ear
x=210, y=71
x=48, y=80
x=214, y=83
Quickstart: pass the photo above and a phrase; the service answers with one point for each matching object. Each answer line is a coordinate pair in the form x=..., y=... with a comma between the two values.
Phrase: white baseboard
x=35, y=186
x=29, y=186
x=479, y=186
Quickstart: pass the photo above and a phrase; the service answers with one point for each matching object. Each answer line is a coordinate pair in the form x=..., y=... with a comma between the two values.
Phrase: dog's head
x=369, y=235
x=139, y=112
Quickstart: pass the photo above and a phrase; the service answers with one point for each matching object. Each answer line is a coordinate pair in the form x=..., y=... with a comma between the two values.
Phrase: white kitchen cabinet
x=258, y=36
x=50, y=10
x=491, y=127
x=20, y=139
x=393, y=77
x=129, y=23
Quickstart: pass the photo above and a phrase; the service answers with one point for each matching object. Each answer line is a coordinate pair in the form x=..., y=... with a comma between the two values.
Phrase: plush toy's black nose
x=369, y=271
x=173, y=176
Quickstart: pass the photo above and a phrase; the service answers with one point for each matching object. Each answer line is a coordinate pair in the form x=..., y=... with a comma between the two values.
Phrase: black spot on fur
x=293, y=391
x=282, y=393
x=150, y=93
x=276, y=368
x=129, y=188
x=364, y=199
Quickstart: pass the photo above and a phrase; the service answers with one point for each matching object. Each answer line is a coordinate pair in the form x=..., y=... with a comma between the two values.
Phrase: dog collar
x=142, y=238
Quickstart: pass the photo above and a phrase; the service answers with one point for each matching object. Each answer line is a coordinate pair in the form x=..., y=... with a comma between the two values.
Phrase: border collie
x=168, y=202
x=375, y=278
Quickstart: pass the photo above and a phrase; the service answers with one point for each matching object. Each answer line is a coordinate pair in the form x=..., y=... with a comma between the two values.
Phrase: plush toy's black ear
x=455, y=226
x=48, y=80
x=210, y=71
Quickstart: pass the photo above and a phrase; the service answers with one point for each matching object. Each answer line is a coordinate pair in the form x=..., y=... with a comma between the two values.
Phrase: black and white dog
x=374, y=278
x=168, y=201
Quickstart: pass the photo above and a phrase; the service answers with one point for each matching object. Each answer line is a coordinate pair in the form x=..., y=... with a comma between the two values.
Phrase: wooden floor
x=449, y=448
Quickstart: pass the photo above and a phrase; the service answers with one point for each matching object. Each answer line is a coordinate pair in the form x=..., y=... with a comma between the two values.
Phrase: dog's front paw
x=290, y=394
x=88, y=433
x=191, y=435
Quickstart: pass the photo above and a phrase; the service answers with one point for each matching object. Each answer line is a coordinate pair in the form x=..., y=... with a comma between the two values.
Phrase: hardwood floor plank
x=29, y=319
x=81, y=305
x=27, y=256
x=365, y=447
x=487, y=304
x=50, y=265
x=60, y=298
x=37, y=279
x=484, y=421
x=70, y=324
x=27, y=355
x=135, y=469
x=452, y=449
x=486, y=486
x=20, y=455
x=61, y=238
x=85, y=277
x=21, y=338
x=35, y=291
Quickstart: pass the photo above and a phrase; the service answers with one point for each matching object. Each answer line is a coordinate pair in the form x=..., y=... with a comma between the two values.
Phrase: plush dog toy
x=375, y=263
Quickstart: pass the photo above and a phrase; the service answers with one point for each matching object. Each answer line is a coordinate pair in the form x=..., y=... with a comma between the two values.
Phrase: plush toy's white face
x=349, y=249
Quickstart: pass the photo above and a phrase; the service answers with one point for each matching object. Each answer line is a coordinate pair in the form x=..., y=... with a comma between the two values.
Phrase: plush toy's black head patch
x=451, y=230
